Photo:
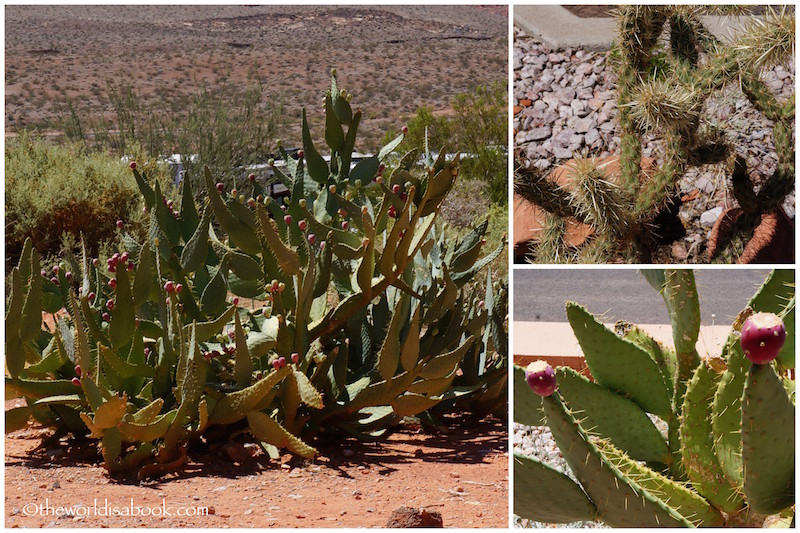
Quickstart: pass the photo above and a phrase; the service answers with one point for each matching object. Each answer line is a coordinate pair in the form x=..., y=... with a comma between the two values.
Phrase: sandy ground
x=462, y=474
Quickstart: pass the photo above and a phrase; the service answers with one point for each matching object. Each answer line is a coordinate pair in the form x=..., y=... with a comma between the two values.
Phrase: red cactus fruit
x=124, y=257
x=220, y=186
x=106, y=317
x=78, y=370
x=300, y=154
x=91, y=296
x=541, y=378
x=178, y=288
x=763, y=335
x=295, y=357
x=133, y=165
x=345, y=225
x=282, y=361
x=43, y=273
x=96, y=262
x=312, y=238
x=169, y=286
x=112, y=283
x=276, y=364
x=302, y=225
x=287, y=219
x=236, y=301
x=54, y=280
x=110, y=305
x=396, y=188
x=76, y=382
x=405, y=130
x=120, y=224
x=251, y=177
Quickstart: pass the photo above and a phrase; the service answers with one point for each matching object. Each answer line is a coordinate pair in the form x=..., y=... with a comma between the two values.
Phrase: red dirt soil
x=461, y=473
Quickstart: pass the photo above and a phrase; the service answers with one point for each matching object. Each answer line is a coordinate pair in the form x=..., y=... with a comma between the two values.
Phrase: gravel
x=565, y=106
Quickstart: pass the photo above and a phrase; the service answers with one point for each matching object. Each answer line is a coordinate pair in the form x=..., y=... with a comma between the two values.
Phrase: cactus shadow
x=461, y=441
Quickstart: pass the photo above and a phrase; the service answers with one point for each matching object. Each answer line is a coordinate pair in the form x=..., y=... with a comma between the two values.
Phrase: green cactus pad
x=266, y=429
x=678, y=496
x=544, y=494
x=620, y=364
x=726, y=420
x=604, y=413
x=620, y=501
x=527, y=405
x=697, y=442
x=235, y=406
x=767, y=442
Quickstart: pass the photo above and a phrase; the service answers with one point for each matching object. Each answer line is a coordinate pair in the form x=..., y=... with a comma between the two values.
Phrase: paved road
x=623, y=294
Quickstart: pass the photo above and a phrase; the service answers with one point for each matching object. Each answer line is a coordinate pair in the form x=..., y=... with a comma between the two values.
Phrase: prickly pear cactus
x=358, y=313
x=727, y=458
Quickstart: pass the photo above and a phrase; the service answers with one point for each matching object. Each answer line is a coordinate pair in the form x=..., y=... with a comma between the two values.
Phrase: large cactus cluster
x=727, y=454
x=359, y=313
x=663, y=86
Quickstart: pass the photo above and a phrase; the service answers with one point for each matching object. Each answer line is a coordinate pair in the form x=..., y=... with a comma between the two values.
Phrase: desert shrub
x=479, y=130
x=55, y=190
x=226, y=128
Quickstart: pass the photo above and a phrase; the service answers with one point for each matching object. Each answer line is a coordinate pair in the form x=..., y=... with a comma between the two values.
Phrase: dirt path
x=462, y=474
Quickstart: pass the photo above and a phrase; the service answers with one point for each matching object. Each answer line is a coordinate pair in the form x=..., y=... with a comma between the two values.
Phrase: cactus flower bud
x=763, y=335
x=76, y=382
x=541, y=378
x=322, y=245
x=332, y=189
x=302, y=203
x=234, y=192
x=379, y=179
x=364, y=210
x=43, y=273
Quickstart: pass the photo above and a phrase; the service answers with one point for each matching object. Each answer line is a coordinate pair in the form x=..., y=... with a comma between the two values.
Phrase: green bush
x=56, y=190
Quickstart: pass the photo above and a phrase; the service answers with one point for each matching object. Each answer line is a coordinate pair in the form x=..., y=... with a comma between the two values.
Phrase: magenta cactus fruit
x=178, y=288
x=345, y=225
x=295, y=357
x=78, y=370
x=120, y=224
x=763, y=335
x=302, y=225
x=282, y=361
x=76, y=382
x=276, y=364
x=312, y=238
x=106, y=317
x=110, y=305
x=251, y=177
x=220, y=186
x=112, y=283
x=133, y=165
x=91, y=296
x=300, y=154
x=169, y=286
x=541, y=378
x=396, y=188
x=287, y=219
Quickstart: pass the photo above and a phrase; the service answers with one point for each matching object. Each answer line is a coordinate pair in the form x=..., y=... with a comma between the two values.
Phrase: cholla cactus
x=728, y=454
x=360, y=314
x=662, y=90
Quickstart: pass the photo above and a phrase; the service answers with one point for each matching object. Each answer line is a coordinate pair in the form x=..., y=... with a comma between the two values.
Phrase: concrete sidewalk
x=561, y=29
x=539, y=339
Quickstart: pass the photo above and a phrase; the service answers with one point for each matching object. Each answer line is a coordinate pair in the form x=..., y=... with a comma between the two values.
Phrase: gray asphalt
x=624, y=294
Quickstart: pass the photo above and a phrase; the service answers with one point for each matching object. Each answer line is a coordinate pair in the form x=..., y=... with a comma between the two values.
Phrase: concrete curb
x=559, y=28
x=555, y=339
